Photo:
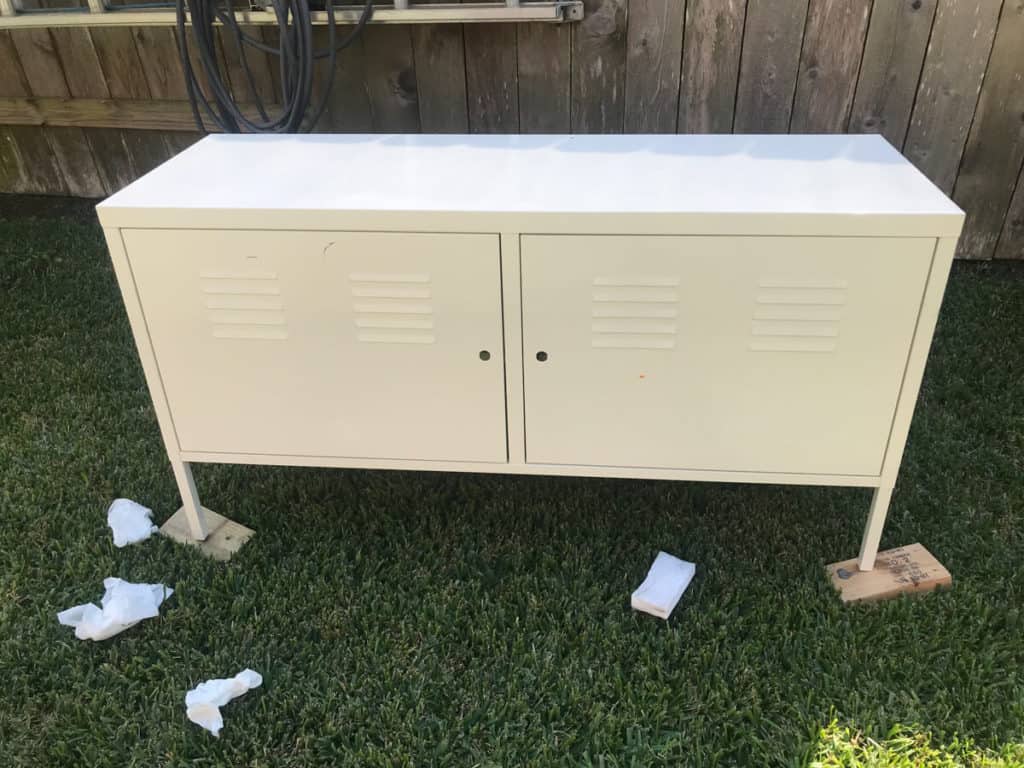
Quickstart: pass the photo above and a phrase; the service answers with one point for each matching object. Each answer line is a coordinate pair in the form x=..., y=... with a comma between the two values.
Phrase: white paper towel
x=203, y=703
x=124, y=605
x=130, y=522
x=666, y=581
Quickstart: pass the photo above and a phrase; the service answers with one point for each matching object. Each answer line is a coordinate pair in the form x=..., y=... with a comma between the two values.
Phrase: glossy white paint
x=728, y=308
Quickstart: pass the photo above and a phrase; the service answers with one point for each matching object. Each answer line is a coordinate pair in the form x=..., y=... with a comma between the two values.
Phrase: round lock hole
x=542, y=356
x=485, y=355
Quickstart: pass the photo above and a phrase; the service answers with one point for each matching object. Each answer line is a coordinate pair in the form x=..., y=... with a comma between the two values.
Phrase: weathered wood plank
x=440, y=54
x=953, y=70
x=85, y=79
x=770, y=61
x=543, y=53
x=832, y=48
x=45, y=76
x=130, y=114
x=654, y=46
x=26, y=159
x=125, y=77
x=599, y=68
x=157, y=48
x=1011, y=242
x=261, y=65
x=491, y=78
x=995, y=146
x=391, y=79
x=713, y=36
x=349, y=105
x=891, y=67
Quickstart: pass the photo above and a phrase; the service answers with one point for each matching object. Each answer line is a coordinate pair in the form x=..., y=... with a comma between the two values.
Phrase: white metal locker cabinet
x=761, y=354
x=327, y=343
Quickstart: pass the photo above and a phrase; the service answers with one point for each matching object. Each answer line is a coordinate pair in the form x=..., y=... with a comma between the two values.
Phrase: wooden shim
x=713, y=36
x=491, y=78
x=391, y=79
x=1011, y=242
x=954, y=66
x=28, y=162
x=768, y=70
x=994, y=153
x=225, y=536
x=904, y=570
x=891, y=68
x=543, y=52
x=440, y=55
x=653, y=51
x=829, y=62
x=599, y=68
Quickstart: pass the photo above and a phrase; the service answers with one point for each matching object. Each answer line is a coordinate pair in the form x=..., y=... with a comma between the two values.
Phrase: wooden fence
x=84, y=111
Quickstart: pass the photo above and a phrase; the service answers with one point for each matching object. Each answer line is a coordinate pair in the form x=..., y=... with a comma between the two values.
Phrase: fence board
x=1011, y=241
x=349, y=103
x=713, y=37
x=261, y=65
x=122, y=69
x=995, y=146
x=28, y=163
x=653, y=59
x=829, y=62
x=893, y=55
x=770, y=60
x=491, y=78
x=440, y=55
x=544, y=52
x=599, y=68
x=950, y=81
x=84, y=78
x=391, y=79
x=161, y=64
x=45, y=77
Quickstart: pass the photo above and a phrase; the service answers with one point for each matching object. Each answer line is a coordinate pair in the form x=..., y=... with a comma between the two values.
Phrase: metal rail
x=98, y=14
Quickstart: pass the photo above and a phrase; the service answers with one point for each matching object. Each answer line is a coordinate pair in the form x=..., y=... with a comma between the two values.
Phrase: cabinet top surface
x=860, y=175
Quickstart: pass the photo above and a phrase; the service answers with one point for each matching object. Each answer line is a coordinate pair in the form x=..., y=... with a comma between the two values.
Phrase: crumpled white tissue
x=665, y=583
x=203, y=703
x=124, y=605
x=130, y=522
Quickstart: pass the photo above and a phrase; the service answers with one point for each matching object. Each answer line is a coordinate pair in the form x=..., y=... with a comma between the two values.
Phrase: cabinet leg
x=190, y=500
x=873, y=529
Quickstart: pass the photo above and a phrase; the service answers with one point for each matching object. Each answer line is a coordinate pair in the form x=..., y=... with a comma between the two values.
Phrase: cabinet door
x=375, y=345
x=770, y=354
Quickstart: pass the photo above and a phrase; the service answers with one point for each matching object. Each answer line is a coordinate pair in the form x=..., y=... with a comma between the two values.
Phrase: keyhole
x=485, y=355
x=542, y=356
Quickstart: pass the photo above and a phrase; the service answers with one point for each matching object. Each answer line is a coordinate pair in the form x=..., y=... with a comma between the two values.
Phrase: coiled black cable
x=296, y=59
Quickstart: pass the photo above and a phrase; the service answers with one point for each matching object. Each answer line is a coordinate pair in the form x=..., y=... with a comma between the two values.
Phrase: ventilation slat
x=250, y=332
x=617, y=341
x=634, y=326
x=792, y=345
x=246, y=317
x=637, y=295
x=789, y=328
x=395, y=338
x=381, y=277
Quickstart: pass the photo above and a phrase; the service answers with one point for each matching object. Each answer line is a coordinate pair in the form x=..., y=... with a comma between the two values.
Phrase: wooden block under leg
x=226, y=536
x=904, y=569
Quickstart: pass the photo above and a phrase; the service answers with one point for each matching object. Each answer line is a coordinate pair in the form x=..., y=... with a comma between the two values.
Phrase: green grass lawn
x=455, y=620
